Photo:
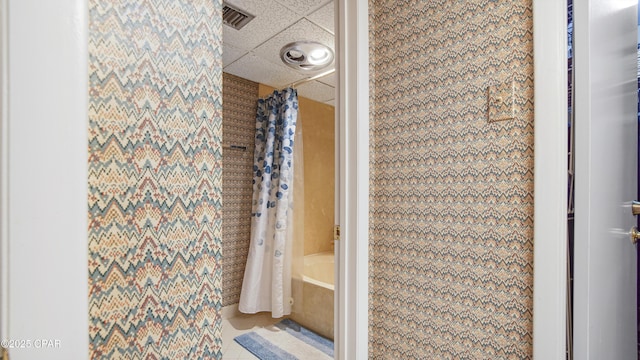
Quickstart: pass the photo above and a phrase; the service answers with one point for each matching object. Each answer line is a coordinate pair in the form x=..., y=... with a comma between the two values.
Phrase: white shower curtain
x=268, y=273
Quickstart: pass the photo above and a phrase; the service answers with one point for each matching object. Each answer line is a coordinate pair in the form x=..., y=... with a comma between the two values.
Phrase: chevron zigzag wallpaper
x=155, y=179
x=451, y=231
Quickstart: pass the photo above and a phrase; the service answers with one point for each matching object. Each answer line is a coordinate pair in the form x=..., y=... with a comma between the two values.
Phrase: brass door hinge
x=336, y=232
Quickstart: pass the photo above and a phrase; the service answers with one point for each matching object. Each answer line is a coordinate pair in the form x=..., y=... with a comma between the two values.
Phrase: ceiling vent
x=234, y=17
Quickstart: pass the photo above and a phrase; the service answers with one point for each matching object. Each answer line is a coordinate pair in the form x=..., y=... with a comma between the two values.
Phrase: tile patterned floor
x=239, y=325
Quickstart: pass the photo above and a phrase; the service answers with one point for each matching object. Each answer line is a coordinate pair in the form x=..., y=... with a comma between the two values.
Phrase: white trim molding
x=550, y=214
x=4, y=172
x=353, y=105
x=46, y=164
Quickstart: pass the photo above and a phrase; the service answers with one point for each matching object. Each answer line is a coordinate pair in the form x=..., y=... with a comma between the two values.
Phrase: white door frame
x=550, y=181
x=351, y=329
x=4, y=173
x=43, y=178
x=550, y=67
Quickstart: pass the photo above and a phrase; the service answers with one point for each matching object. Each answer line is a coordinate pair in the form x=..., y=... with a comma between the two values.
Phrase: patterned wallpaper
x=451, y=253
x=240, y=98
x=155, y=178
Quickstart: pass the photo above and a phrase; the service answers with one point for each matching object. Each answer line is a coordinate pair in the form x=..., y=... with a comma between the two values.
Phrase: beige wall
x=318, y=131
x=451, y=245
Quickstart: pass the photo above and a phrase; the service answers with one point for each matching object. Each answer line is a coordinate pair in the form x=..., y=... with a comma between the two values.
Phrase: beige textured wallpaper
x=240, y=100
x=451, y=252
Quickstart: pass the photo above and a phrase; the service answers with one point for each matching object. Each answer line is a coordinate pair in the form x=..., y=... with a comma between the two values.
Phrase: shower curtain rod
x=300, y=82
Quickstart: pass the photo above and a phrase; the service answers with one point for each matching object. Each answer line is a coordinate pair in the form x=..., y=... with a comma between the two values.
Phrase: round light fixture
x=318, y=56
x=306, y=55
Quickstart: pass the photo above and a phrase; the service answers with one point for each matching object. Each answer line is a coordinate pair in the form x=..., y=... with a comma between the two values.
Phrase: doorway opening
x=253, y=69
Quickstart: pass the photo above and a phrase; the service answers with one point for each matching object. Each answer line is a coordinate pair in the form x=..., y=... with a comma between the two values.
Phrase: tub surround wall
x=317, y=309
x=451, y=254
x=318, y=132
x=316, y=312
x=155, y=179
x=240, y=98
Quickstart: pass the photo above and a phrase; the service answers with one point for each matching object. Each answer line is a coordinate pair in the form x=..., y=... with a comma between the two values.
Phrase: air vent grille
x=234, y=17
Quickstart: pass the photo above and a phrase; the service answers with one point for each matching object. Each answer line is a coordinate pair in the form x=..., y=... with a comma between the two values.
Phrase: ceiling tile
x=302, y=30
x=231, y=54
x=324, y=17
x=256, y=69
x=329, y=79
x=302, y=7
x=317, y=91
x=270, y=19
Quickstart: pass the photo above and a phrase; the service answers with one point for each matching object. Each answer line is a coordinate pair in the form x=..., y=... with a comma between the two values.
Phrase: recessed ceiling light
x=318, y=56
x=306, y=55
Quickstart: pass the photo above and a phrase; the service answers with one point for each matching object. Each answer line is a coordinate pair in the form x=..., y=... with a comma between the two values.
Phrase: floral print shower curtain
x=267, y=276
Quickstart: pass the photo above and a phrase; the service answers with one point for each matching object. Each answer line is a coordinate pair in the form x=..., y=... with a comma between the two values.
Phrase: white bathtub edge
x=317, y=282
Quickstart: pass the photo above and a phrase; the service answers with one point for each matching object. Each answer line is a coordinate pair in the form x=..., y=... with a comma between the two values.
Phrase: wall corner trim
x=550, y=179
x=353, y=109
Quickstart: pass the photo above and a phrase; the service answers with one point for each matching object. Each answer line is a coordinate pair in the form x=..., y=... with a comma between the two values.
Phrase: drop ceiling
x=253, y=52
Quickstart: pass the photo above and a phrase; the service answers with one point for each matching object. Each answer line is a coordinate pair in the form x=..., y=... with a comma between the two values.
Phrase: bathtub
x=317, y=294
x=319, y=269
